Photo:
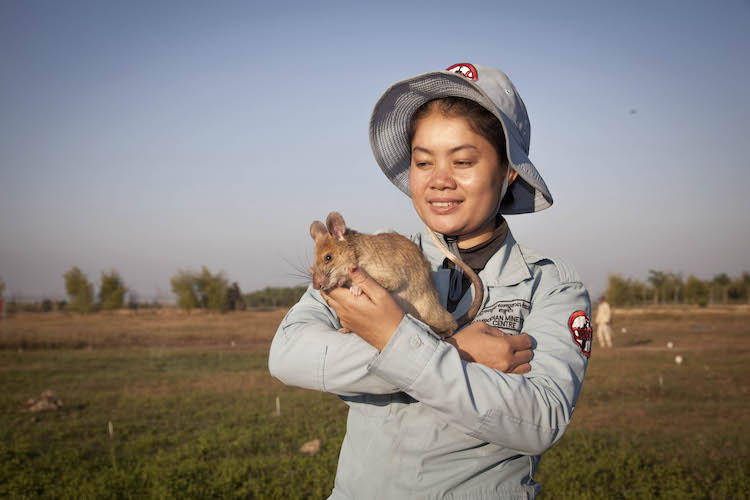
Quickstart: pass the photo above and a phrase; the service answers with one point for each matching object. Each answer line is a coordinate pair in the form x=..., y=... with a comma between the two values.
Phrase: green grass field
x=193, y=411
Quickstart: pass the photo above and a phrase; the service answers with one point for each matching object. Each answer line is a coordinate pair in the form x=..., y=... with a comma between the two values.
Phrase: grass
x=193, y=415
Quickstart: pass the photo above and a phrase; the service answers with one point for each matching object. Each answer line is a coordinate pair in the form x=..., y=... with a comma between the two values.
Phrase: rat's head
x=333, y=253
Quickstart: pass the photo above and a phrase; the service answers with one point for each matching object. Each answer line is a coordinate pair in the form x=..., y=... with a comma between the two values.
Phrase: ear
x=336, y=225
x=317, y=229
x=512, y=174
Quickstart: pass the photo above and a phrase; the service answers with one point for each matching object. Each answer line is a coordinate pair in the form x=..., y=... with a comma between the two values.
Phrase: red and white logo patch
x=580, y=328
x=465, y=69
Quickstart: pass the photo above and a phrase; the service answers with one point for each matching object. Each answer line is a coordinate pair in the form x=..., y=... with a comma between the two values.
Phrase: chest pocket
x=503, y=310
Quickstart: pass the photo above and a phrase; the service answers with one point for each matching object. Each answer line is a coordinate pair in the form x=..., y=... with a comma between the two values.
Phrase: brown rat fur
x=393, y=261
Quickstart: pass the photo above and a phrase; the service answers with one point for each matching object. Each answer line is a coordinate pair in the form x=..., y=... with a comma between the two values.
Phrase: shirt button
x=416, y=341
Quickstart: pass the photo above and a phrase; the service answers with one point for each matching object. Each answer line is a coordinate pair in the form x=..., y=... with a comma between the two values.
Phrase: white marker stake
x=278, y=407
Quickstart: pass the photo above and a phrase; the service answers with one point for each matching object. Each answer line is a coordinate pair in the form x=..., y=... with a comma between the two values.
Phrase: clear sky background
x=155, y=136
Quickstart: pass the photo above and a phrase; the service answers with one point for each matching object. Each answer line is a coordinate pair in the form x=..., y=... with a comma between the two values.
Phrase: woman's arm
x=525, y=413
x=308, y=351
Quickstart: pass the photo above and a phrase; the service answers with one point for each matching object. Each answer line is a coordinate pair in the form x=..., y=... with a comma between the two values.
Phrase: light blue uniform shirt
x=424, y=424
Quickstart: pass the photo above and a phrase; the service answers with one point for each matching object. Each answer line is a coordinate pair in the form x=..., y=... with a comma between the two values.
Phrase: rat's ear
x=336, y=225
x=317, y=229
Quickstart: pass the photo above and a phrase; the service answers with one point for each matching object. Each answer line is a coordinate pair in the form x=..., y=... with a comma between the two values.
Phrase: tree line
x=212, y=291
x=193, y=290
x=666, y=287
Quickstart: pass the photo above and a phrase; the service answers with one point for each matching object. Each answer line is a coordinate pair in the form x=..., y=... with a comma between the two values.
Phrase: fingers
x=521, y=357
x=523, y=354
x=520, y=342
x=329, y=300
x=521, y=369
x=364, y=281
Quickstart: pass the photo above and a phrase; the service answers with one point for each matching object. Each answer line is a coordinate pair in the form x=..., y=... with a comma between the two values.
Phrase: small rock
x=48, y=401
x=311, y=447
x=678, y=359
x=670, y=345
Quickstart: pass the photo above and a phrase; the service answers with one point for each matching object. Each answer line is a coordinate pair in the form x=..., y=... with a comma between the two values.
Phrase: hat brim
x=389, y=137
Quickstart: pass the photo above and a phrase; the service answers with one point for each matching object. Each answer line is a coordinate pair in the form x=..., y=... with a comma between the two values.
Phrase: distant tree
x=737, y=291
x=672, y=287
x=183, y=286
x=2, y=288
x=275, y=297
x=203, y=289
x=112, y=291
x=657, y=280
x=235, y=300
x=618, y=291
x=212, y=290
x=47, y=305
x=80, y=291
x=696, y=291
x=641, y=293
x=720, y=288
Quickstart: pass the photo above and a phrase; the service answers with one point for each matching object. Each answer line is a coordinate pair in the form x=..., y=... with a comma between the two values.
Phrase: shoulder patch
x=580, y=327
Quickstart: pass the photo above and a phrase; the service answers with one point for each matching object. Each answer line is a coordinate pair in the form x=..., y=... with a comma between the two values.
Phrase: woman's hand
x=486, y=345
x=367, y=309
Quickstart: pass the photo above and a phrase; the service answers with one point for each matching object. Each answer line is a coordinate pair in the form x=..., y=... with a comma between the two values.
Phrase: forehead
x=437, y=128
x=324, y=243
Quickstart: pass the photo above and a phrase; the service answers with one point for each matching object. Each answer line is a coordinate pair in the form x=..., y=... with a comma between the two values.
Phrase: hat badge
x=465, y=69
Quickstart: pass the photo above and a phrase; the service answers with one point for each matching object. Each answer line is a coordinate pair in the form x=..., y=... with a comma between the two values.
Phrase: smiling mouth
x=443, y=204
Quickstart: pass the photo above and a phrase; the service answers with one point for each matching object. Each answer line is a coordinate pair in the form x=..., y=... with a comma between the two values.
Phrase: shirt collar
x=506, y=268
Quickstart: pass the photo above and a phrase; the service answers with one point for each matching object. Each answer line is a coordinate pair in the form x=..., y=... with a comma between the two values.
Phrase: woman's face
x=454, y=178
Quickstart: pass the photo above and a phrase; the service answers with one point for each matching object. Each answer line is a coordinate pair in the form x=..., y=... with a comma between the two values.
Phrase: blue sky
x=155, y=136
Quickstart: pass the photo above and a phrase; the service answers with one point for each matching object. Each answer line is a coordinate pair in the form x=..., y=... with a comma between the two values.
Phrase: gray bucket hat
x=490, y=88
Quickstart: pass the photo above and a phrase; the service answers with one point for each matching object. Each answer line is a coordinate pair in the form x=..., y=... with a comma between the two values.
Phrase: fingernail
x=353, y=269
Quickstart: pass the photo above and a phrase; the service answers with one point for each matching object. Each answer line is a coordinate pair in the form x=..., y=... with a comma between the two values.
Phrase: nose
x=442, y=177
x=316, y=281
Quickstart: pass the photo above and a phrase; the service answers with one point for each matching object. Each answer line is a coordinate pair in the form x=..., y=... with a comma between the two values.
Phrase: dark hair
x=481, y=121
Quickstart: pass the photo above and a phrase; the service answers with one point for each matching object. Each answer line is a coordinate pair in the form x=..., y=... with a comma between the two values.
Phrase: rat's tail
x=478, y=288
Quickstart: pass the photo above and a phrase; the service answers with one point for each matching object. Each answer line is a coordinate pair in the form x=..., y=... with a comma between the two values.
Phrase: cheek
x=416, y=183
x=483, y=188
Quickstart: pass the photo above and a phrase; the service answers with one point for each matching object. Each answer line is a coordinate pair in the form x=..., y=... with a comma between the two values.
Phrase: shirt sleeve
x=308, y=351
x=525, y=413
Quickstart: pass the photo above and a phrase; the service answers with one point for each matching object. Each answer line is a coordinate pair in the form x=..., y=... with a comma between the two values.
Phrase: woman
x=467, y=417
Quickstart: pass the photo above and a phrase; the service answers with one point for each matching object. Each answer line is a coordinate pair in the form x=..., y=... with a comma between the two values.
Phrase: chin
x=444, y=227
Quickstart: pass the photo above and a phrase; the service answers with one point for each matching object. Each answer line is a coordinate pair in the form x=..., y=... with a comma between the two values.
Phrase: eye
x=464, y=163
x=328, y=257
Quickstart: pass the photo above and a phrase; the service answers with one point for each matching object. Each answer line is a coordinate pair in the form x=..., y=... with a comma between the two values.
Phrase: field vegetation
x=166, y=404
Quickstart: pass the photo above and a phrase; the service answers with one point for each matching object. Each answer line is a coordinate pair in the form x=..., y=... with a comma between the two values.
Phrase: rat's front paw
x=356, y=290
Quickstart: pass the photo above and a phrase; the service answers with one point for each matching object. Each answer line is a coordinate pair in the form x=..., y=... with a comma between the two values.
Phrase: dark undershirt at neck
x=477, y=257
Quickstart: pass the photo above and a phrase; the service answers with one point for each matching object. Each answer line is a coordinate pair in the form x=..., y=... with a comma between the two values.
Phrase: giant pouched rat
x=393, y=261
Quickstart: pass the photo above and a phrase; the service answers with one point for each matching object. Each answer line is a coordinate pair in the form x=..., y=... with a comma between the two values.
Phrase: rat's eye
x=328, y=257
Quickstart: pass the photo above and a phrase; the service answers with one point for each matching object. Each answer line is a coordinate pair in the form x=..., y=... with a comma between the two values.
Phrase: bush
x=80, y=291
x=275, y=297
x=112, y=291
x=200, y=290
x=235, y=299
